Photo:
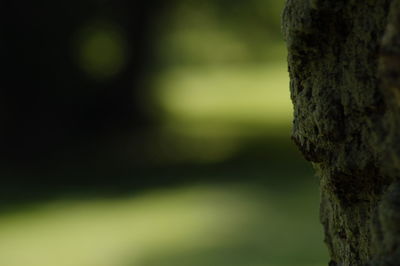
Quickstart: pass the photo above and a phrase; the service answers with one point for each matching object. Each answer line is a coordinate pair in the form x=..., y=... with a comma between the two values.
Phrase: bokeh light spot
x=102, y=50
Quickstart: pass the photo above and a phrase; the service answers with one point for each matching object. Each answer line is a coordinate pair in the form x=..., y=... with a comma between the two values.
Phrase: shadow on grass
x=272, y=162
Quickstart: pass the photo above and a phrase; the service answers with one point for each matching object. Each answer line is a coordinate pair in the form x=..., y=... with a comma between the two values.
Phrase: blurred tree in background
x=74, y=72
x=75, y=78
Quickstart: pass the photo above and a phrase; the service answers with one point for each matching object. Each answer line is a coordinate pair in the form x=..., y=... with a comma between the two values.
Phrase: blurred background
x=150, y=133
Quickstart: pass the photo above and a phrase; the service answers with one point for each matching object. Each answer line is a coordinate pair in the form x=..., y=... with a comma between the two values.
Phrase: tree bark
x=344, y=64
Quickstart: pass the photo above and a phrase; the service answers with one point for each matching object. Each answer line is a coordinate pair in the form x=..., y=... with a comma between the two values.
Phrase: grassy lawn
x=211, y=112
x=254, y=94
x=232, y=225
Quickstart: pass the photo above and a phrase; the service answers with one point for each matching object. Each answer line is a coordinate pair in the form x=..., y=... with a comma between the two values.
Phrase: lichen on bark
x=344, y=65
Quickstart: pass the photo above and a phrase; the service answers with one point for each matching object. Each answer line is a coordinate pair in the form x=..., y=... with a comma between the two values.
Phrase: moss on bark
x=344, y=65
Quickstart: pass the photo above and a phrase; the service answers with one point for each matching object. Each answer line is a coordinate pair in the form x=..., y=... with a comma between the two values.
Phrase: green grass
x=253, y=94
x=211, y=112
x=207, y=225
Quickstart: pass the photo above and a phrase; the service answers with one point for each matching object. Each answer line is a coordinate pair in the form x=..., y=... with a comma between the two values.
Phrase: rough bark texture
x=344, y=64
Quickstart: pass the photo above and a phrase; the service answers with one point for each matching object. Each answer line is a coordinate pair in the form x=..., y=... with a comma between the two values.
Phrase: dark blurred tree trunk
x=53, y=115
x=47, y=103
x=344, y=63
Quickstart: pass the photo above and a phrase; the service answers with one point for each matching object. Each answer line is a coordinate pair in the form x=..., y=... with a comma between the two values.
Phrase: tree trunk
x=344, y=64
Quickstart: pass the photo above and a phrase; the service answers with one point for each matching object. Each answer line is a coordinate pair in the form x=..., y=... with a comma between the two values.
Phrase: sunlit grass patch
x=203, y=225
x=210, y=112
x=231, y=95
